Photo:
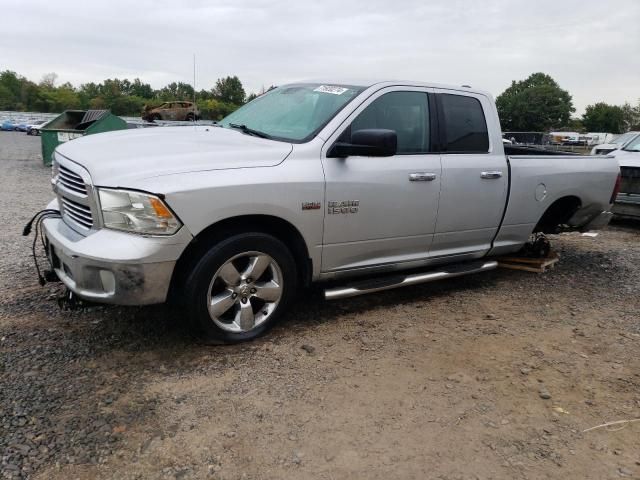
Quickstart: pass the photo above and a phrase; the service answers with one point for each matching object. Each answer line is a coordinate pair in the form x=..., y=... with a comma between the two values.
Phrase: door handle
x=422, y=177
x=491, y=175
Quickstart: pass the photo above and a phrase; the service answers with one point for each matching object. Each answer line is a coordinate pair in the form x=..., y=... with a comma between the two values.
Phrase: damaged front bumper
x=108, y=266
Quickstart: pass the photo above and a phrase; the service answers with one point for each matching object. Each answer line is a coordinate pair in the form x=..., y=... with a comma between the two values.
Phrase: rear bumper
x=591, y=217
x=114, y=267
x=627, y=205
x=598, y=222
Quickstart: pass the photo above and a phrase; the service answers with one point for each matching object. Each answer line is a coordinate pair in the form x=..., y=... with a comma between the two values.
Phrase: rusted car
x=180, y=111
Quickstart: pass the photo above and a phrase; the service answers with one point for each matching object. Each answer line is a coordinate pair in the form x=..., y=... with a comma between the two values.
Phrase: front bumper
x=108, y=266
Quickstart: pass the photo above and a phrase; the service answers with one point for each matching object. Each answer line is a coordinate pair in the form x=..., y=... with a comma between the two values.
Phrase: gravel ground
x=489, y=376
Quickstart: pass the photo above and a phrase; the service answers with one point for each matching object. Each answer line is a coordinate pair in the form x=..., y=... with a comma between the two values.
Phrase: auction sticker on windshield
x=331, y=89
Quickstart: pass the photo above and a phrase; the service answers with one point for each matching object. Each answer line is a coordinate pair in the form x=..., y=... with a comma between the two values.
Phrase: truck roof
x=360, y=82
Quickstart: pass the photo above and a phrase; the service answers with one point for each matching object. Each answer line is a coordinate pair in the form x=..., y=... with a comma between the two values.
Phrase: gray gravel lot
x=491, y=376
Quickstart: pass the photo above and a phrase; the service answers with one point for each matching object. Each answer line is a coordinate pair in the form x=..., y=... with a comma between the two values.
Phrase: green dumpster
x=76, y=123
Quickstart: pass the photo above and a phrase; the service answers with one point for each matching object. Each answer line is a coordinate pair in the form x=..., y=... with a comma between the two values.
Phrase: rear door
x=382, y=211
x=473, y=189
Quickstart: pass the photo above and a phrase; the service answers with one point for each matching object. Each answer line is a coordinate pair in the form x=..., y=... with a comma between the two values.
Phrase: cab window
x=465, y=125
x=406, y=113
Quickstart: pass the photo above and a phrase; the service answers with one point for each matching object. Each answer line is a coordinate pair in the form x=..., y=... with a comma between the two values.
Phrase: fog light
x=108, y=281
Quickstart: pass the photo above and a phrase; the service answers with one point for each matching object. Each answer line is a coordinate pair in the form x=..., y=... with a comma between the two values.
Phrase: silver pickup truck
x=393, y=182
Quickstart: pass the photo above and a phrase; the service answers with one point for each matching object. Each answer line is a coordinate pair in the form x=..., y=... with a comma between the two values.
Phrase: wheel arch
x=279, y=228
x=558, y=213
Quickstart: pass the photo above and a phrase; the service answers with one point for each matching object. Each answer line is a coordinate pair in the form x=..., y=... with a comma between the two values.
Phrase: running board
x=397, y=281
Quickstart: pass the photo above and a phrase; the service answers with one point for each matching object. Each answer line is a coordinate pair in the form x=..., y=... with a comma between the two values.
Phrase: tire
x=226, y=304
x=190, y=117
x=155, y=116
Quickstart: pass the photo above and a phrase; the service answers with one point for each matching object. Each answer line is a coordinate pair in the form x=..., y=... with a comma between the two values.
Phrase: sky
x=589, y=46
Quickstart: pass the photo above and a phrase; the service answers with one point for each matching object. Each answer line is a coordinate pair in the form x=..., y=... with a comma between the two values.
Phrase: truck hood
x=626, y=158
x=116, y=158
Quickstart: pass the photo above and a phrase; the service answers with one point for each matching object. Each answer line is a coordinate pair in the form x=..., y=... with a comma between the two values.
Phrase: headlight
x=136, y=212
x=54, y=171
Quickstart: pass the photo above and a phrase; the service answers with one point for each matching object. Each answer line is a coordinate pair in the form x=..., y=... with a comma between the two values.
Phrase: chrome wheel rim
x=244, y=292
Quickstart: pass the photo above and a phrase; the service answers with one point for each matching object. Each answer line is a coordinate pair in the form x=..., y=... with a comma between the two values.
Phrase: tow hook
x=50, y=276
x=69, y=301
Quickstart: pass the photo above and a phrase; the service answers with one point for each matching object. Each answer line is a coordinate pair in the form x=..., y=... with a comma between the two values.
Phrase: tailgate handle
x=422, y=177
x=491, y=175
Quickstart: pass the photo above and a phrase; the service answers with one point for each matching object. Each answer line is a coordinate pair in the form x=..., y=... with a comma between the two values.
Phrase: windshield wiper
x=249, y=131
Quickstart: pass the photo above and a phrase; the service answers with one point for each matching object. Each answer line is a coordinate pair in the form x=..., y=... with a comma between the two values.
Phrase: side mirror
x=367, y=143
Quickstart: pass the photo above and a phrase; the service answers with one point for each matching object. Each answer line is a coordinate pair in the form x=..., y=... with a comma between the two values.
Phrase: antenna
x=195, y=106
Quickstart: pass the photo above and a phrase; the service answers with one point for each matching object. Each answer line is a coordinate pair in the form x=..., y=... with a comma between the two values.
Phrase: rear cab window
x=464, y=124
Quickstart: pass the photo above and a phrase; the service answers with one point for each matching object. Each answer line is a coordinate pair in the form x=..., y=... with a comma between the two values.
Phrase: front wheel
x=240, y=287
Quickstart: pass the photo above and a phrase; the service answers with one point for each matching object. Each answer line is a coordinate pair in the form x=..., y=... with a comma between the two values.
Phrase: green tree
x=534, y=104
x=602, y=117
x=49, y=80
x=63, y=98
x=6, y=98
x=631, y=116
x=11, y=89
x=142, y=90
x=229, y=90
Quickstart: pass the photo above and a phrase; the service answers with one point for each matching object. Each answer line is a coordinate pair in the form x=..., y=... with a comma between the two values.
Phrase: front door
x=473, y=191
x=382, y=211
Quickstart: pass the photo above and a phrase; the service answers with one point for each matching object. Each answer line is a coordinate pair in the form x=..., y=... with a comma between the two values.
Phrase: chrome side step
x=397, y=281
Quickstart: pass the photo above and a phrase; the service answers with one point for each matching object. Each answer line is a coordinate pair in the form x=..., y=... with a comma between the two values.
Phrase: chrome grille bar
x=71, y=180
x=79, y=213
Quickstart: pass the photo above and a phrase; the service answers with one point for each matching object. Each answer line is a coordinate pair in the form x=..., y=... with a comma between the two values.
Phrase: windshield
x=624, y=138
x=633, y=146
x=293, y=113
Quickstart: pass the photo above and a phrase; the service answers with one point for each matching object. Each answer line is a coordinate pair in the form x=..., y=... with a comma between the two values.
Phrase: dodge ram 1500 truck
x=395, y=182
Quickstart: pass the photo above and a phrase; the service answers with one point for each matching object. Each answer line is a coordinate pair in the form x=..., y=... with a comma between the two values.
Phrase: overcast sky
x=589, y=46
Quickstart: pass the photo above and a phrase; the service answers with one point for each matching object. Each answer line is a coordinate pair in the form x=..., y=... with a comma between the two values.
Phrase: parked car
x=34, y=129
x=184, y=111
x=310, y=182
x=628, y=200
x=564, y=138
x=618, y=142
x=597, y=138
x=21, y=126
x=8, y=126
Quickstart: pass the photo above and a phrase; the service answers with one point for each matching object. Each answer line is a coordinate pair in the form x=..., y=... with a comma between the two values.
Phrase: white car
x=618, y=142
x=34, y=129
x=628, y=200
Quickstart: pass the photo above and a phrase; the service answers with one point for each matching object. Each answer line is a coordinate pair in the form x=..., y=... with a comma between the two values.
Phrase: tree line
x=536, y=104
x=121, y=96
x=539, y=104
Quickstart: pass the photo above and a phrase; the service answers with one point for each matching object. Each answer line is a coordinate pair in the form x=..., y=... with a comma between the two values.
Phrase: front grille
x=71, y=181
x=79, y=213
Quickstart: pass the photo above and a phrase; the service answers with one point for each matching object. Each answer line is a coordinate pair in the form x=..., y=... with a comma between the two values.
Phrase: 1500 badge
x=345, y=206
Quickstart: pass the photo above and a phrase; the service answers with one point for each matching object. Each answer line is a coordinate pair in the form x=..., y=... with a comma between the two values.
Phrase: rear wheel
x=240, y=287
x=190, y=117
